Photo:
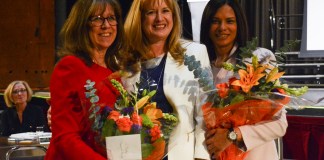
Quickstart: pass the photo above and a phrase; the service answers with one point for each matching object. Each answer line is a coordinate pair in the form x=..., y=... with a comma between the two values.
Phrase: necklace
x=102, y=64
x=156, y=75
x=153, y=83
x=152, y=73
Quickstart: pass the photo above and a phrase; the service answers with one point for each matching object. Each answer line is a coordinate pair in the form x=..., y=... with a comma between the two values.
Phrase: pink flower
x=124, y=124
x=155, y=133
x=114, y=115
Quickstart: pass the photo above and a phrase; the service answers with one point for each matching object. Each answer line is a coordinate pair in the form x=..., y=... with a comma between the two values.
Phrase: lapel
x=171, y=81
x=178, y=83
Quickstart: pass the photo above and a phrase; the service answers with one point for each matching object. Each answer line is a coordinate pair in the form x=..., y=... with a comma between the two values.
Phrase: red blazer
x=71, y=135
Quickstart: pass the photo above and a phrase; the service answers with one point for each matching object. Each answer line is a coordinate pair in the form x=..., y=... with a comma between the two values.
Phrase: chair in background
x=34, y=152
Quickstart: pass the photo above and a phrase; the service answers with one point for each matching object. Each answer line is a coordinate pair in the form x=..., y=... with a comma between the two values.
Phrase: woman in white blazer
x=225, y=31
x=156, y=55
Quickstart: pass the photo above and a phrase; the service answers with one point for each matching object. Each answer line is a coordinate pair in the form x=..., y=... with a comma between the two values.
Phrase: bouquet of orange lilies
x=132, y=114
x=255, y=96
x=252, y=95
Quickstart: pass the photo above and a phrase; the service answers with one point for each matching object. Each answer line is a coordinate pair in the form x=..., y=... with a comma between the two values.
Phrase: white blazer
x=181, y=89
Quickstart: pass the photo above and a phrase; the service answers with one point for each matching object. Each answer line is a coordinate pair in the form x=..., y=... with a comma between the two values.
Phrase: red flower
x=114, y=115
x=223, y=89
x=283, y=99
x=236, y=88
x=124, y=124
x=137, y=119
x=155, y=133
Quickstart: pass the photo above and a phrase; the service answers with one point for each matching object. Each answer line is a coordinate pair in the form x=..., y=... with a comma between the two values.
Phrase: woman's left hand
x=217, y=141
x=49, y=121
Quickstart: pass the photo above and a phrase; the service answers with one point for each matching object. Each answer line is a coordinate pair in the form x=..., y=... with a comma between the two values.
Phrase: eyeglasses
x=19, y=91
x=99, y=21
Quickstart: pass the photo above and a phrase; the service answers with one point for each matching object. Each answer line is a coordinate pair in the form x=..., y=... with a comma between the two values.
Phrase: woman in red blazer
x=90, y=42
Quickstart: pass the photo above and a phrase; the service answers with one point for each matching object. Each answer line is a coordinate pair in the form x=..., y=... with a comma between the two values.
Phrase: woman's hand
x=217, y=141
x=49, y=122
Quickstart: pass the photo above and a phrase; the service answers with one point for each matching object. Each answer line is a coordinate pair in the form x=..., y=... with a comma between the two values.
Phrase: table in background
x=304, y=139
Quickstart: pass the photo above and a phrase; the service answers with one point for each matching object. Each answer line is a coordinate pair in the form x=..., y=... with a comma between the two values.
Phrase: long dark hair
x=206, y=22
x=74, y=35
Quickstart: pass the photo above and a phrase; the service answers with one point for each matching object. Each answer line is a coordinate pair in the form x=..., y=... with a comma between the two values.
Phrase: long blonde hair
x=8, y=92
x=137, y=42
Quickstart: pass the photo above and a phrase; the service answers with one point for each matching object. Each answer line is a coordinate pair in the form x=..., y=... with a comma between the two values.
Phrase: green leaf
x=92, y=115
x=94, y=99
x=238, y=98
x=146, y=121
x=118, y=132
x=109, y=128
x=152, y=93
x=147, y=150
x=144, y=92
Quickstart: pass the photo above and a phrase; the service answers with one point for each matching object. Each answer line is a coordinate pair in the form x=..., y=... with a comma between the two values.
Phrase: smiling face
x=104, y=35
x=157, y=20
x=223, y=30
x=19, y=94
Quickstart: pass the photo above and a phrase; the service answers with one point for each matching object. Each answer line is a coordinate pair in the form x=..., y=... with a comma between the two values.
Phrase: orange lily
x=273, y=75
x=153, y=113
x=140, y=103
x=249, y=77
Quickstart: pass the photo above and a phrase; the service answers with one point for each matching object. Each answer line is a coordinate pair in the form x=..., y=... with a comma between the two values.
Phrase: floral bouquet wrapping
x=134, y=129
x=253, y=95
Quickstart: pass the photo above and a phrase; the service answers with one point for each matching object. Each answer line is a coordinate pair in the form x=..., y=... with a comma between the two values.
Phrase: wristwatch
x=232, y=135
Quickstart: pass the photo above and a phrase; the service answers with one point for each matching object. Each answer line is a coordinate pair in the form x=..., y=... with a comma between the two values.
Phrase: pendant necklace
x=151, y=67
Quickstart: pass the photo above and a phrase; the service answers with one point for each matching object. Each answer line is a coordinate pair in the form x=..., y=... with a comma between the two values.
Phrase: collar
x=232, y=52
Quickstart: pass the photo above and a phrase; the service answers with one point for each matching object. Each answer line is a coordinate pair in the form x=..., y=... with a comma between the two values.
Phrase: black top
x=152, y=79
x=33, y=116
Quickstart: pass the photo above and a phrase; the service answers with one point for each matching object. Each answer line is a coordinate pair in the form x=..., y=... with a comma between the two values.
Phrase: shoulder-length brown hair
x=74, y=35
x=8, y=92
x=138, y=43
x=206, y=22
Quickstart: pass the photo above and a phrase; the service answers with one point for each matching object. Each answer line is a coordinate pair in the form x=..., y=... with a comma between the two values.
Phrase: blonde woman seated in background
x=20, y=116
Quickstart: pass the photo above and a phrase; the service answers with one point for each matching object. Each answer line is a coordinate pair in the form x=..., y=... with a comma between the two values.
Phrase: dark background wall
x=26, y=41
x=274, y=21
x=29, y=29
